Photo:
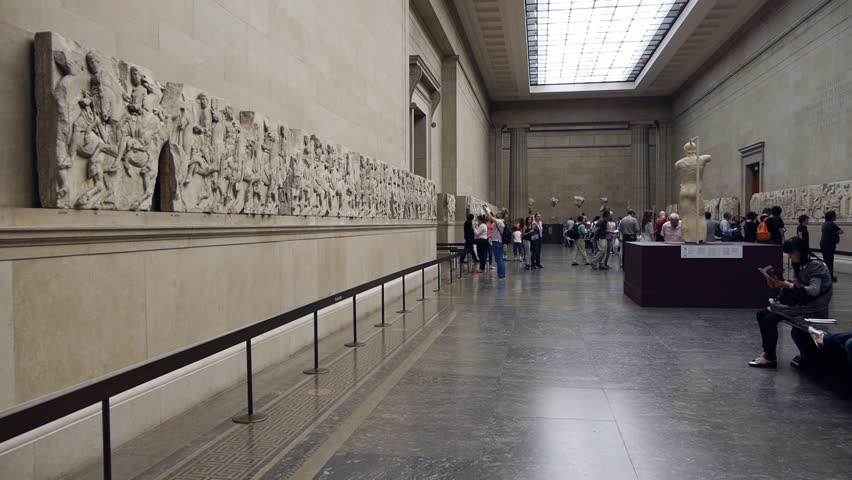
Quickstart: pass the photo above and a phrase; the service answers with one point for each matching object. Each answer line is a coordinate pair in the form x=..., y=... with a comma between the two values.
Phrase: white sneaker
x=816, y=335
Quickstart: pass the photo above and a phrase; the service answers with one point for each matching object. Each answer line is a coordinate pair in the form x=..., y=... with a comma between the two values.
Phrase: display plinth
x=657, y=275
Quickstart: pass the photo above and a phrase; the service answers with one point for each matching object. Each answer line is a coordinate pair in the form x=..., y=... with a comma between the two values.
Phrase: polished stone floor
x=550, y=374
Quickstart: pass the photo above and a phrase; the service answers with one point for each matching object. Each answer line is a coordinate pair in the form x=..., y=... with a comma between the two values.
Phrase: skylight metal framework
x=595, y=41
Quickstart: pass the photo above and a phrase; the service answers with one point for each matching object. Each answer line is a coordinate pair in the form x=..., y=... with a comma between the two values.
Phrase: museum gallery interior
x=411, y=239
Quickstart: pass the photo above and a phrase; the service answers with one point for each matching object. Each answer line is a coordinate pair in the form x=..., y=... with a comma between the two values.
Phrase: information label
x=711, y=251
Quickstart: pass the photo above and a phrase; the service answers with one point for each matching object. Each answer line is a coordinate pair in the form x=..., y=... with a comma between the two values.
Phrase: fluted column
x=639, y=198
x=518, y=172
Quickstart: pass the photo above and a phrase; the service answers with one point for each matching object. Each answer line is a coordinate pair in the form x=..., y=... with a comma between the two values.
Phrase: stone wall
x=794, y=96
x=590, y=164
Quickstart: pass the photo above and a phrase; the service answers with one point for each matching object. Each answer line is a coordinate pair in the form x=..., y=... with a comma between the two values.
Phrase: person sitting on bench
x=829, y=347
x=807, y=296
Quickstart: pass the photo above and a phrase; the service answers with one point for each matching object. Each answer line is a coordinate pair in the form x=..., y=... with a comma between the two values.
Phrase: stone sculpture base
x=655, y=275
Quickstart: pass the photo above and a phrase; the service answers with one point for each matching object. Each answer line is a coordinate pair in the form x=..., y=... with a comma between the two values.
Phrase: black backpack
x=507, y=234
x=574, y=233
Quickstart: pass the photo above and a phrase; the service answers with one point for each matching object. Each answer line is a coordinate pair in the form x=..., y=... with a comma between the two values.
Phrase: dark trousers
x=483, y=248
x=835, y=354
x=768, y=323
x=468, y=248
x=536, y=253
x=828, y=257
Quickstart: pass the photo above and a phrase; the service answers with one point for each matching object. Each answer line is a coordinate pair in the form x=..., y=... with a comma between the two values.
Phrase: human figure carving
x=691, y=204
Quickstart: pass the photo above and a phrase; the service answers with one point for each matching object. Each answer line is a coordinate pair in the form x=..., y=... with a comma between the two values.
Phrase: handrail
x=40, y=412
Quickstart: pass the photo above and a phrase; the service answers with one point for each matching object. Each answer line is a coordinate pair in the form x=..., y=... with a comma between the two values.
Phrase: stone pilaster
x=663, y=181
x=640, y=194
x=518, y=193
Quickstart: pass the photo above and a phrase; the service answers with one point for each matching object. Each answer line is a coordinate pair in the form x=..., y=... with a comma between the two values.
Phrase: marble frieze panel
x=110, y=135
x=811, y=200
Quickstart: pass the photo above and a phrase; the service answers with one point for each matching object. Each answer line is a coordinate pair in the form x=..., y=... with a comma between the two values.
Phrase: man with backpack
x=578, y=233
x=599, y=234
x=497, y=239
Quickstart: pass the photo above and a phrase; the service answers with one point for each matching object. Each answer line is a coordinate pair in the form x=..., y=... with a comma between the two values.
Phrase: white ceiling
x=496, y=30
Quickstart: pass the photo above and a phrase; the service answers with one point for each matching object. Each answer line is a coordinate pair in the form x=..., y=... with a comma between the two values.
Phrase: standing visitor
x=802, y=230
x=671, y=230
x=468, y=239
x=490, y=226
x=750, y=228
x=648, y=226
x=775, y=225
x=658, y=226
x=537, y=240
x=481, y=239
x=580, y=241
x=526, y=235
x=497, y=243
x=517, y=244
x=711, y=227
x=828, y=241
x=725, y=228
x=611, y=238
x=599, y=237
x=629, y=227
x=569, y=225
x=592, y=234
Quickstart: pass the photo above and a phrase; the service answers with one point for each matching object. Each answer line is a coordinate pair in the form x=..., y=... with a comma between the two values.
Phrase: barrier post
x=439, y=279
x=316, y=370
x=354, y=343
x=422, y=285
x=383, y=324
x=105, y=434
x=404, y=310
x=250, y=416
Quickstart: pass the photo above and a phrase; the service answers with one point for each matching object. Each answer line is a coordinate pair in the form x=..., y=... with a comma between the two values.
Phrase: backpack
x=574, y=233
x=506, y=234
x=763, y=234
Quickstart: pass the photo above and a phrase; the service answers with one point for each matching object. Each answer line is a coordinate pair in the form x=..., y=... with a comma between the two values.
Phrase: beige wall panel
x=76, y=318
x=473, y=125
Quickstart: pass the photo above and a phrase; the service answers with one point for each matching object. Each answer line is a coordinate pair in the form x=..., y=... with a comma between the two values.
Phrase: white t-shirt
x=481, y=232
x=516, y=236
x=497, y=234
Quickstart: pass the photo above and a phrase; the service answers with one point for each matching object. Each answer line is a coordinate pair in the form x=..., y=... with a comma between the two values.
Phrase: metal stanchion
x=439, y=279
x=422, y=285
x=403, y=298
x=316, y=370
x=354, y=343
x=451, y=271
x=249, y=417
x=105, y=434
x=383, y=324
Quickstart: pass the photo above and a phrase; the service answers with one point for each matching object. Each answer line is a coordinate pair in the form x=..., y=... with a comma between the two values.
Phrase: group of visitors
x=488, y=238
x=768, y=227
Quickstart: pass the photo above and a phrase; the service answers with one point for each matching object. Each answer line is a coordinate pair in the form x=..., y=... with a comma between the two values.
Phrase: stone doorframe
x=751, y=154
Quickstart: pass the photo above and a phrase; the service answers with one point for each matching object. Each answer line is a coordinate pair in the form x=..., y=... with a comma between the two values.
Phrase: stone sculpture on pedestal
x=691, y=204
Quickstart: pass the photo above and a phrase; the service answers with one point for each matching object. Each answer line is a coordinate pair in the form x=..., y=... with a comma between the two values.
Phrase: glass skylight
x=592, y=41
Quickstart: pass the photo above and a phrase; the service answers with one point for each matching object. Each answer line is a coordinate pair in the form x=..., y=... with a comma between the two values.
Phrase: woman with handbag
x=807, y=296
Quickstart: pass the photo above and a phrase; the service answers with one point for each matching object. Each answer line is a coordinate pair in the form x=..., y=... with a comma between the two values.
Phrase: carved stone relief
x=100, y=128
x=579, y=201
x=474, y=205
x=446, y=208
x=811, y=200
x=106, y=127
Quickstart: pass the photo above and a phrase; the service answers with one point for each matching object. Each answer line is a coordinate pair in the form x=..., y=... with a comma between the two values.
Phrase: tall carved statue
x=691, y=205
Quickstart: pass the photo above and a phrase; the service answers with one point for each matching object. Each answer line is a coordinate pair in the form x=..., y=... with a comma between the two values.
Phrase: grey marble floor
x=550, y=374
